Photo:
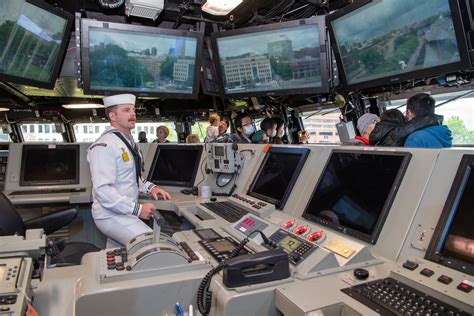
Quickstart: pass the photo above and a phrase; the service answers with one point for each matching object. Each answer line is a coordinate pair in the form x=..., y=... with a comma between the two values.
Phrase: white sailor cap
x=119, y=99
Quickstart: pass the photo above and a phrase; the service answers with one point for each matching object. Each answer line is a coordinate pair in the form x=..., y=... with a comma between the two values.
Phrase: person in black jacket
x=393, y=129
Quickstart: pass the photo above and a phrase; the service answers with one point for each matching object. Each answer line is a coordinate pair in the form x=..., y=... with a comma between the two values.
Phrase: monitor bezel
x=466, y=167
x=463, y=64
x=319, y=21
x=28, y=147
x=280, y=204
x=182, y=148
x=86, y=24
x=372, y=238
x=61, y=52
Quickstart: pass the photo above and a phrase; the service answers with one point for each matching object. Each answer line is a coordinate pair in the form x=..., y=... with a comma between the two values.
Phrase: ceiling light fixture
x=82, y=106
x=220, y=7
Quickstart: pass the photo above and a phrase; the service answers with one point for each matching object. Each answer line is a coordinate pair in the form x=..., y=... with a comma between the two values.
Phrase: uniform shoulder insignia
x=98, y=144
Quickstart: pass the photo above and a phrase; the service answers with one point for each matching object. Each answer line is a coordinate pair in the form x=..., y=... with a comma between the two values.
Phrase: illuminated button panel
x=317, y=236
x=289, y=224
x=249, y=224
x=301, y=230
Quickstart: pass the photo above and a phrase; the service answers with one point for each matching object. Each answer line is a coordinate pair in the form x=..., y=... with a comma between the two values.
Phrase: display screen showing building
x=285, y=58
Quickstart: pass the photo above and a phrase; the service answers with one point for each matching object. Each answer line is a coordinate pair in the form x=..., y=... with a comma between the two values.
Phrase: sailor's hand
x=147, y=211
x=156, y=193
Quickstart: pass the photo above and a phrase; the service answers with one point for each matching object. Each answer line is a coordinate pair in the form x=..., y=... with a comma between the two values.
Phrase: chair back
x=11, y=222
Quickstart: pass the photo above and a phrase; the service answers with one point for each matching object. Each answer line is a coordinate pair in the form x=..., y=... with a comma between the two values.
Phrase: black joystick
x=361, y=274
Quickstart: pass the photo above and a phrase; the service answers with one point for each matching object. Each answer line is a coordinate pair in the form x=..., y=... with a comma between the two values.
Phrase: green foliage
x=371, y=58
x=461, y=135
x=200, y=129
x=27, y=55
x=111, y=66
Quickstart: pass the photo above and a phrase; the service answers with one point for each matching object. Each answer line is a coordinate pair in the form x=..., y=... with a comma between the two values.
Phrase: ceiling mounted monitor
x=146, y=61
x=33, y=37
x=274, y=59
x=390, y=41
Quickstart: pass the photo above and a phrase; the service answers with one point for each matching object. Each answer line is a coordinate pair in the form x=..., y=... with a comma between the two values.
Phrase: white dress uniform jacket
x=115, y=207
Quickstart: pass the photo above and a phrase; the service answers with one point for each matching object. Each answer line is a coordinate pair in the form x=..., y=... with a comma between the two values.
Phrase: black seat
x=63, y=253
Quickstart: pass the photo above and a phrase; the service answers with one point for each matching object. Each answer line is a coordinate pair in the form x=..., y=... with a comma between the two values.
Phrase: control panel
x=297, y=248
x=250, y=224
x=15, y=279
x=453, y=284
x=255, y=206
x=291, y=225
x=222, y=158
x=217, y=246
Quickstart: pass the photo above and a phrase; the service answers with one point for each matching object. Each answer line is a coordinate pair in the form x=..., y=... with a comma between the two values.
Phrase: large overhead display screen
x=33, y=38
x=147, y=61
x=387, y=41
x=281, y=58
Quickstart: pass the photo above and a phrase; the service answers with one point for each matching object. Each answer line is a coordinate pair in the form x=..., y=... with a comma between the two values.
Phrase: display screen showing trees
x=140, y=61
x=391, y=37
x=30, y=40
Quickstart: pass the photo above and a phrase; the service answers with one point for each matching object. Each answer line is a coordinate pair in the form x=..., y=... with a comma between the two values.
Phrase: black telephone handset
x=256, y=268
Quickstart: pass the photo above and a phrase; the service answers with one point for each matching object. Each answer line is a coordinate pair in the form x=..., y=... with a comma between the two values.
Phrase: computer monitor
x=452, y=244
x=33, y=37
x=277, y=174
x=355, y=191
x=389, y=41
x=175, y=165
x=273, y=59
x=49, y=165
x=146, y=61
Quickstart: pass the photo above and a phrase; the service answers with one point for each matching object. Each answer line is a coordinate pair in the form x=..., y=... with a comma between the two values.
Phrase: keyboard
x=391, y=297
x=48, y=191
x=228, y=211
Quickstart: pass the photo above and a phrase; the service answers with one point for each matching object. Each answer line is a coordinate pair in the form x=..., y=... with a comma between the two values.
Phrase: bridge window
x=89, y=132
x=322, y=126
x=458, y=114
x=46, y=133
x=200, y=129
x=4, y=136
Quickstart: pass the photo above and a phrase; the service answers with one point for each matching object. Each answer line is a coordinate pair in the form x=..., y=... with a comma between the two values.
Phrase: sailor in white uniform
x=116, y=163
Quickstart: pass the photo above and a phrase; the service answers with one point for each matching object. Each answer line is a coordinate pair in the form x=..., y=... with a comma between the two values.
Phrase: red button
x=464, y=287
x=445, y=279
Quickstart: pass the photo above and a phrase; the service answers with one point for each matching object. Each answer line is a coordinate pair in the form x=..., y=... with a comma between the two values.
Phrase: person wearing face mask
x=245, y=129
x=116, y=165
x=278, y=139
x=268, y=130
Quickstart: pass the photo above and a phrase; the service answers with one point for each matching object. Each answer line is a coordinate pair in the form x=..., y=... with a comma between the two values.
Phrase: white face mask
x=249, y=129
x=280, y=133
x=274, y=133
